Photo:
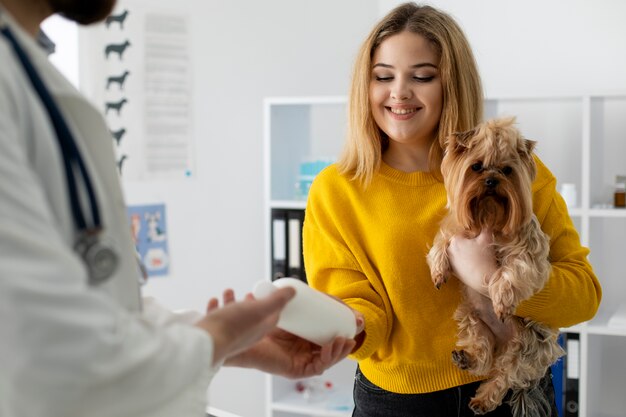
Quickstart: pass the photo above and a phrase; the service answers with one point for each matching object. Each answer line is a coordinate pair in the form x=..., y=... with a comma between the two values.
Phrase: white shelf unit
x=582, y=139
x=297, y=130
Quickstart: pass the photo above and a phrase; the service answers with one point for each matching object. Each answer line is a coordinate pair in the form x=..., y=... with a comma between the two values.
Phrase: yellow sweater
x=368, y=247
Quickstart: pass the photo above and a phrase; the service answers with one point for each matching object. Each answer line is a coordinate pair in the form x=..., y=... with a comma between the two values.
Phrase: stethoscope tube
x=100, y=258
x=71, y=154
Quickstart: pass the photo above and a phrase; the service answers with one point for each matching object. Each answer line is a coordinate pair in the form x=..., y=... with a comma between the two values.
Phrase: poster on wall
x=149, y=231
x=136, y=66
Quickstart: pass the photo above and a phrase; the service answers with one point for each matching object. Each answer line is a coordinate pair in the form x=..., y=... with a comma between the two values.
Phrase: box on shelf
x=307, y=173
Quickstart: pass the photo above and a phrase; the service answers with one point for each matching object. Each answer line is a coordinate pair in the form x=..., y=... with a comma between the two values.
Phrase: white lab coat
x=68, y=349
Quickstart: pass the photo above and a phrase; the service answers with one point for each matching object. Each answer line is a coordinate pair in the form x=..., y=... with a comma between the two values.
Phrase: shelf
x=607, y=213
x=575, y=211
x=214, y=412
x=306, y=101
x=599, y=325
x=579, y=328
x=335, y=404
x=288, y=204
x=582, y=142
x=604, y=330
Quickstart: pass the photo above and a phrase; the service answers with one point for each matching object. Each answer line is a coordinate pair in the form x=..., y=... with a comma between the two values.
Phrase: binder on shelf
x=558, y=377
x=295, y=261
x=287, y=258
x=572, y=375
x=279, y=244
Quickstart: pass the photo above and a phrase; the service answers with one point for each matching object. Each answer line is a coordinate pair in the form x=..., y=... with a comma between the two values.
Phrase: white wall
x=65, y=35
x=538, y=47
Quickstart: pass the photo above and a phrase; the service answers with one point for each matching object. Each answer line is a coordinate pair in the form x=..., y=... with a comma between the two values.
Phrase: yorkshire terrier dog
x=488, y=172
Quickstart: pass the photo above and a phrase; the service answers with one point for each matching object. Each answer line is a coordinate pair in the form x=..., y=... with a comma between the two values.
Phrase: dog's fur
x=488, y=172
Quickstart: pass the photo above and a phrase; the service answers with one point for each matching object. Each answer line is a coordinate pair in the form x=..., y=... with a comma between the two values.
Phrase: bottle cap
x=263, y=288
x=620, y=186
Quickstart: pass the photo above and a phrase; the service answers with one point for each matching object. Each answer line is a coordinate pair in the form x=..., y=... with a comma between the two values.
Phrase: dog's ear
x=525, y=150
x=527, y=146
x=459, y=141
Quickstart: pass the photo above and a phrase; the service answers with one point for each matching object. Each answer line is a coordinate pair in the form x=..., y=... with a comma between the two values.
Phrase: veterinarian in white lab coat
x=72, y=343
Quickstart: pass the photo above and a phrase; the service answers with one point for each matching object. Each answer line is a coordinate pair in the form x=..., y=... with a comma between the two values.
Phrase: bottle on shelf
x=619, y=197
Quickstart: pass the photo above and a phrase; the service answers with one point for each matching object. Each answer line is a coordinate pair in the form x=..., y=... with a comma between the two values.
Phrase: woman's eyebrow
x=421, y=65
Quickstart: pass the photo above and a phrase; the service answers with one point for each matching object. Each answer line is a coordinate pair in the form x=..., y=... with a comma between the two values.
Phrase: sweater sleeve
x=573, y=293
x=334, y=269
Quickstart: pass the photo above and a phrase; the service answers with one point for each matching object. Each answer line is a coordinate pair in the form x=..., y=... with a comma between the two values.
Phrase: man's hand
x=238, y=325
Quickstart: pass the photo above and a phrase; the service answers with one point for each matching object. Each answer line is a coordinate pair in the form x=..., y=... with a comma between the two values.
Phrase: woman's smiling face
x=405, y=89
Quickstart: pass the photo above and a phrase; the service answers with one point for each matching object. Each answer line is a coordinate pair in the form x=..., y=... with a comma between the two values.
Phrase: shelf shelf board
x=214, y=412
x=337, y=404
x=575, y=212
x=288, y=204
x=579, y=328
x=311, y=100
x=599, y=326
x=603, y=330
x=607, y=212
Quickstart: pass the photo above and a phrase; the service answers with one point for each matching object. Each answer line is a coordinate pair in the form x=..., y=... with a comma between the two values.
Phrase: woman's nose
x=400, y=91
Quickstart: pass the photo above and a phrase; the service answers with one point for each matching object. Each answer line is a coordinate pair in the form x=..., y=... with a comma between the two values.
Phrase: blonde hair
x=462, y=89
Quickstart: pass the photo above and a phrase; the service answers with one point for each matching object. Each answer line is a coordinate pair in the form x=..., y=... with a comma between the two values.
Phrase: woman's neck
x=407, y=158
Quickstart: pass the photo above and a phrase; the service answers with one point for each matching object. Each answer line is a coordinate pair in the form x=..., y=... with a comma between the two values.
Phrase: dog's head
x=488, y=172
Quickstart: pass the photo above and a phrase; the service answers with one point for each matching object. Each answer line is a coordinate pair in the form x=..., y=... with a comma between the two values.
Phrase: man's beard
x=83, y=11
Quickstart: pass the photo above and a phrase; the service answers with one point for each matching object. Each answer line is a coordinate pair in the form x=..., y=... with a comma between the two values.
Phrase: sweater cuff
x=375, y=326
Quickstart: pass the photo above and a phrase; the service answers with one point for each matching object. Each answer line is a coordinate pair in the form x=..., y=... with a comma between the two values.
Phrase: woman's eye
x=477, y=167
x=423, y=79
x=507, y=170
x=383, y=77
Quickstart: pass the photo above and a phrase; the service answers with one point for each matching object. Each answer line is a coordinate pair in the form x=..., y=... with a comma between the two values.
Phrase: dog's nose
x=491, y=182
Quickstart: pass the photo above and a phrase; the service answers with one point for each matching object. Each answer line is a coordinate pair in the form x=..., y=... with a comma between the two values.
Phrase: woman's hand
x=473, y=260
x=285, y=354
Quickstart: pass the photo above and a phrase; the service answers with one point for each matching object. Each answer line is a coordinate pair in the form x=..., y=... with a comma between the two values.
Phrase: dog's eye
x=478, y=166
x=507, y=170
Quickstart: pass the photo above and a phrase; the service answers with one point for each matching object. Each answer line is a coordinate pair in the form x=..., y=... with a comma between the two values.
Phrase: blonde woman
x=372, y=217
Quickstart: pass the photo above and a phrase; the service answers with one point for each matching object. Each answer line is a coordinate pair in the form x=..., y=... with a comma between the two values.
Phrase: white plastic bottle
x=311, y=314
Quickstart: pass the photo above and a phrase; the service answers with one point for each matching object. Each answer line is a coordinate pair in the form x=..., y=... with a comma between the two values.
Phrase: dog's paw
x=462, y=359
x=503, y=311
x=439, y=279
x=480, y=407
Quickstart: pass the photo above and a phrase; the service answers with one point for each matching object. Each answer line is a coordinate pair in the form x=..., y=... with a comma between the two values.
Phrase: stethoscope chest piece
x=99, y=256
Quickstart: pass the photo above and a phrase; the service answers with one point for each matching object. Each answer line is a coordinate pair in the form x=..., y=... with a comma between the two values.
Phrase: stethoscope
x=98, y=254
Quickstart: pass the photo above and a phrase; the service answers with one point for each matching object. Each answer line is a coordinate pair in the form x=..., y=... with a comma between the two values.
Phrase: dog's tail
x=530, y=402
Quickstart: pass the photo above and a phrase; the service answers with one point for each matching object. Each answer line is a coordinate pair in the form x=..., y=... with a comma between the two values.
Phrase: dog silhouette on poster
x=116, y=18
